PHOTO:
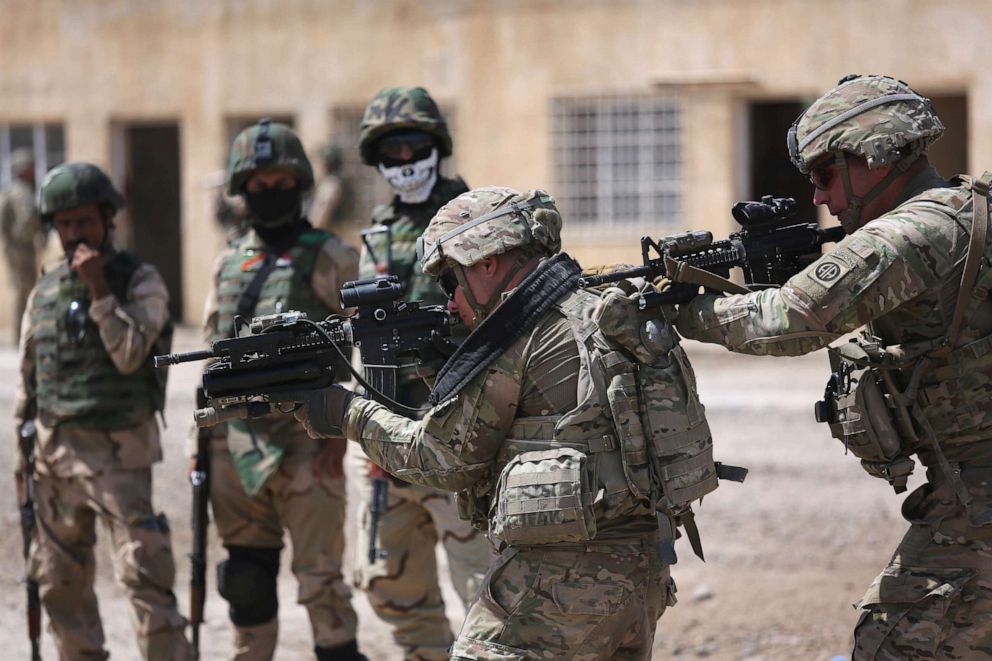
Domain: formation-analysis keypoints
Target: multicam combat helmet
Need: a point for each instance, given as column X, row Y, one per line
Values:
column 489, row 221
column 267, row 144
column 397, row 108
column 879, row 118
column 72, row 185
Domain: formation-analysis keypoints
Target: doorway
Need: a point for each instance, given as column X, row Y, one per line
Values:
column 772, row 173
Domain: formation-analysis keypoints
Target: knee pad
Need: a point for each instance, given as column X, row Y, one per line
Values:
column 247, row 580
column 149, row 564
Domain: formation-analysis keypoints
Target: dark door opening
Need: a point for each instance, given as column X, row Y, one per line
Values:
column 772, row 173
column 152, row 186
column 950, row 154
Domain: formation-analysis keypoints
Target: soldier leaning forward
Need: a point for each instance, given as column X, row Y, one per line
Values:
column 268, row 475
column 915, row 270
column 567, row 423
column 88, row 334
column 405, row 137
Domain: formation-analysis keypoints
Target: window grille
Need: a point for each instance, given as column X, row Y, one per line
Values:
column 617, row 160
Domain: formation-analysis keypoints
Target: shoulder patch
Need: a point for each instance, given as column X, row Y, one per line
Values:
column 829, row 271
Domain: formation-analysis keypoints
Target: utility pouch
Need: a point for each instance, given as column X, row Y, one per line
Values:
column 544, row 497
column 861, row 413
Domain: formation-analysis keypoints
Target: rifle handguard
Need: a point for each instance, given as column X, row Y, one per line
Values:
column 210, row 416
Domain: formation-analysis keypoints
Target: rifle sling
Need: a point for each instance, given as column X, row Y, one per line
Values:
column 516, row 315
column 683, row 272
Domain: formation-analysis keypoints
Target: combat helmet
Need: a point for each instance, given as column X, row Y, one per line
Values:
column 878, row 118
column 78, row 184
column 489, row 221
column 396, row 108
column 267, row 144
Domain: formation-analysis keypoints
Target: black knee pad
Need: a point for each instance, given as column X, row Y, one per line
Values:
column 247, row 580
column 347, row 652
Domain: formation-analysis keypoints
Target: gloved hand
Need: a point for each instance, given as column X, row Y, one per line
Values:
column 322, row 412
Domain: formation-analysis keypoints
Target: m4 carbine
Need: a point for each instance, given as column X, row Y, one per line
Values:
column 287, row 352
column 769, row 248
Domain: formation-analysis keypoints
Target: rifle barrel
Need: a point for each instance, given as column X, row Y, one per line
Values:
column 188, row 357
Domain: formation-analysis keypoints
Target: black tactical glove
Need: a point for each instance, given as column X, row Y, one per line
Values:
column 323, row 411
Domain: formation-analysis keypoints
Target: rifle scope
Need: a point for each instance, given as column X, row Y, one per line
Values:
column 371, row 291
column 769, row 209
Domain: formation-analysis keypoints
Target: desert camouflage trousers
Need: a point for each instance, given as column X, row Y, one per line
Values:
column 589, row 602
column 63, row 563
column 403, row 587
column 934, row 599
column 312, row 509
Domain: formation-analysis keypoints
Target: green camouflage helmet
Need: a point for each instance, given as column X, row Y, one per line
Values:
column 397, row 108
column 878, row 118
column 489, row 221
column 267, row 144
column 72, row 185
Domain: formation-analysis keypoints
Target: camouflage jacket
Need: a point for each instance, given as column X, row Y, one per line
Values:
column 129, row 329
column 258, row 451
column 900, row 274
column 20, row 225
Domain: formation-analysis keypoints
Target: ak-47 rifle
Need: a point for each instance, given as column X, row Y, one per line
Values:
column 26, row 439
column 287, row 352
column 768, row 248
column 199, row 479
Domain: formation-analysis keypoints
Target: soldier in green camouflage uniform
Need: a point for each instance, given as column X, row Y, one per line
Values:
column 404, row 135
column 22, row 232
column 267, row 475
column 91, row 326
column 914, row 269
column 568, row 424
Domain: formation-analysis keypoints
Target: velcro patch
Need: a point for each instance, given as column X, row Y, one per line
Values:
column 829, row 272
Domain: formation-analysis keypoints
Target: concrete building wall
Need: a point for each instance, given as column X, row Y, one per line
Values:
column 96, row 65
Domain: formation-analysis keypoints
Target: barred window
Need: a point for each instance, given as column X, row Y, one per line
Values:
column 46, row 141
column 618, row 159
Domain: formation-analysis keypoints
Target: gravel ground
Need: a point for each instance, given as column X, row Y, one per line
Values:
column 786, row 554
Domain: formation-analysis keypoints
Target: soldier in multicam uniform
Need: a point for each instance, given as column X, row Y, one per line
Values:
column 915, row 271
column 404, row 136
column 568, row 424
column 331, row 196
column 23, row 234
column 267, row 475
column 91, row 325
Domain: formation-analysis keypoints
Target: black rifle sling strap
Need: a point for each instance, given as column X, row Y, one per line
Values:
column 249, row 297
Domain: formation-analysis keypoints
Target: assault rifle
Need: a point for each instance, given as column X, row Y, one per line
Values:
column 199, row 479
column 768, row 248
column 27, row 436
column 287, row 352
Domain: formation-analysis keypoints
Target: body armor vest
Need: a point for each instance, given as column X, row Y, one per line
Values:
column 287, row 287
column 638, row 441
column 927, row 392
column 77, row 380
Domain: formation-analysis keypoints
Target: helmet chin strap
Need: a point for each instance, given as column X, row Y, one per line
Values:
column 851, row 219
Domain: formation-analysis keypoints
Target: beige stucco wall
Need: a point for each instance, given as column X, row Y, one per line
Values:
column 94, row 63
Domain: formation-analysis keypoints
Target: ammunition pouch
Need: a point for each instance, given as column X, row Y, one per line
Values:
column 544, row 497
column 863, row 413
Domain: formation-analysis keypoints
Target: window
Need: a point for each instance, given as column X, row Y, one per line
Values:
column 46, row 141
column 618, row 159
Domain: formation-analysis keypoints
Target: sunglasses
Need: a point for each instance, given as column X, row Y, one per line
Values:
column 404, row 147
column 448, row 283
column 822, row 175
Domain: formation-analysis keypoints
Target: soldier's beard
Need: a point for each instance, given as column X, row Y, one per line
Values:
column 413, row 182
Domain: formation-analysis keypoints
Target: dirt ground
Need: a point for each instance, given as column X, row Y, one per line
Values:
column 787, row 553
